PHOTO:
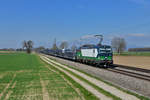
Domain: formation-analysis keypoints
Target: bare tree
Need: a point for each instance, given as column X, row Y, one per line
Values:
column 73, row 47
column 64, row 45
column 118, row 44
column 54, row 45
column 28, row 45
column 24, row 44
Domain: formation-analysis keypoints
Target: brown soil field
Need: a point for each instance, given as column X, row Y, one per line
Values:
column 135, row 61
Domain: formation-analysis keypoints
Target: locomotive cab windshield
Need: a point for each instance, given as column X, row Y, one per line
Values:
column 105, row 53
column 105, row 49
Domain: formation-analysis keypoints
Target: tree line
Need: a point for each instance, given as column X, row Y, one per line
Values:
column 118, row 45
column 139, row 49
column 28, row 46
column 63, row 45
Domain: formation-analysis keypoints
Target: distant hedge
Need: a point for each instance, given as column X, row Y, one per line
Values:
column 139, row 49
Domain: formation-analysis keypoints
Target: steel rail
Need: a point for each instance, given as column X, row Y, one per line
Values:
column 132, row 68
column 131, row 74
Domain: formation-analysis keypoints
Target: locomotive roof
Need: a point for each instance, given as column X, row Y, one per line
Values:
column 94, row 46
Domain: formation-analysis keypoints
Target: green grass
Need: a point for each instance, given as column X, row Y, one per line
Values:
column 18, row 61
column 87, row 95
column 25, row 67
column 105, row 92
column 29, row 71
column 133, row 54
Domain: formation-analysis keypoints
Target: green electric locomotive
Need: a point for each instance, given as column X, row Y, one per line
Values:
column 100, row 55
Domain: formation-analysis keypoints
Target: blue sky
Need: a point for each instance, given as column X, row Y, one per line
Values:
column 44, row 20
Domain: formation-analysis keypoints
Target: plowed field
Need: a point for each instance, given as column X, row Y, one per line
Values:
column 135, row 61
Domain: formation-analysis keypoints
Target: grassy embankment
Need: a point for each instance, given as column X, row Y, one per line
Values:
column 24, row 76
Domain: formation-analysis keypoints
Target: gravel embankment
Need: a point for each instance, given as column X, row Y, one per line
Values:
column 130, row 83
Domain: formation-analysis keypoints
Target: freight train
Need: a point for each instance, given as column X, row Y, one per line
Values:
column 99, row 55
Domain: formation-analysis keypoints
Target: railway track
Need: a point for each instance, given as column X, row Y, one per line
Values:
column 138, row 73
column 132, row 71
column 131, row 74
column 132, row 68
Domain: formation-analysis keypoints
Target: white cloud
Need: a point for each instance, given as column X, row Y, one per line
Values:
column 147, row 45
column 111, row 36
column 87, row 37
column 137, row 34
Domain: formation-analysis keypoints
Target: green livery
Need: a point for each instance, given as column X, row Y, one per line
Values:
column 91, row 54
